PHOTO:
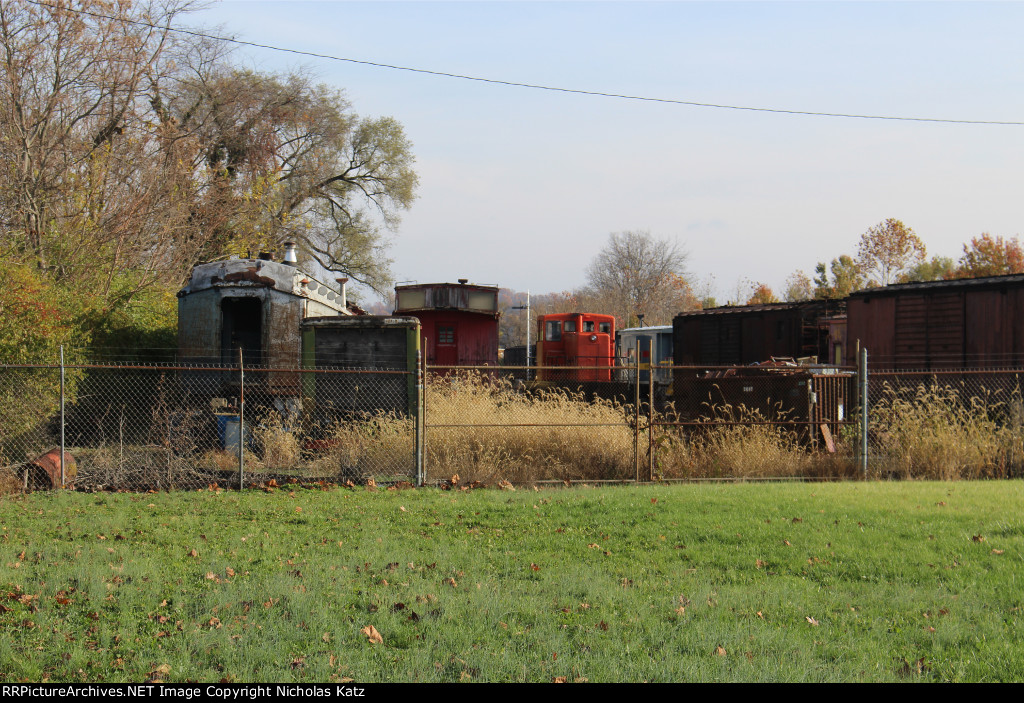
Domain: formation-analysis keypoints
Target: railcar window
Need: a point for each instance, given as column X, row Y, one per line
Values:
column 553, row 330
column 588, row 325
column 446, row 335
column 605, row 328
column 570, row 325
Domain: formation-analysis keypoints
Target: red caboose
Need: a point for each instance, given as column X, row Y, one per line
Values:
column 575, row 339
column 459, row 322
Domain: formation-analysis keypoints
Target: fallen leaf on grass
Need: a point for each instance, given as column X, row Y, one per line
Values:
column 505, row 485
column 372, row 635
column 978, row 538
column 910, row 668
column 760, row 563
column 812, row 621
column 720, row 651
column 997, row 551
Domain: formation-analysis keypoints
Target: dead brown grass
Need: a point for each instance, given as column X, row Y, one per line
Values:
column 940, row 432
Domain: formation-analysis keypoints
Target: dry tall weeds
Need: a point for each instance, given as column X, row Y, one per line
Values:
column 940, row 432
column 486, row 429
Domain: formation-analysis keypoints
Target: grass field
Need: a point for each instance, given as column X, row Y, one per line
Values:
column 865, row 581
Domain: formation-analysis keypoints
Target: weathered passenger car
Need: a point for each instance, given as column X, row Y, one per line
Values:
column 253, row 306
column 458, row 321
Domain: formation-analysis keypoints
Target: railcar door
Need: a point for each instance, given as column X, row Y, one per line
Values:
column 447, row 353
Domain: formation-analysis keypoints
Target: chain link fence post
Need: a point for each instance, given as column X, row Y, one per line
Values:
column 864, row 411
column 636, row 416
column 650, row 409
column 241, row 420
column 63, row 476
column 420, row 405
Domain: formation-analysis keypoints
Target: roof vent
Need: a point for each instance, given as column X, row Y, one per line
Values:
column 463, row 281
column 290, row 257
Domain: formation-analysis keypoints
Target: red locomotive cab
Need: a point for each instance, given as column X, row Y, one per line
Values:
column 575, row 339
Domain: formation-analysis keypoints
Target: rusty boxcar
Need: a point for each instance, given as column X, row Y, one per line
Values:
column 747, row 334
column 963, row 323
column 812, row 400
column 459, row 321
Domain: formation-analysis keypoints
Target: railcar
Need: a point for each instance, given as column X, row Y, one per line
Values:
column 459, row 321
column 635, row 345
column 585, row 340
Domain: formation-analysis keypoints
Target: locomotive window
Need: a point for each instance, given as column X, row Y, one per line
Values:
column 588, row 326
column 605, row 328
column 570, row 325
column 553, row 330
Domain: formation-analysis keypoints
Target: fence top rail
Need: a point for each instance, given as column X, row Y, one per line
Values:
column 203, row 367
column 948, row 372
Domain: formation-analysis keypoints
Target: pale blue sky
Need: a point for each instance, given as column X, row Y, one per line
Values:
column 521, row 187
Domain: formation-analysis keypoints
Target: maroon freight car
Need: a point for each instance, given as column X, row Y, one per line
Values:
column 459, row 321
column 964, row 323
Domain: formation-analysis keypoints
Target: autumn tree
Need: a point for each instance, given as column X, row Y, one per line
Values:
column 636, row 273
column 799, row 287
column 762, row 295
column 887, row 250
column 87, row 195
column 986, row 255
column 133, row 151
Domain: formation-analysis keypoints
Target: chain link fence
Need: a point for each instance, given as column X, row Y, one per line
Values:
column 154, row 427
column 158, row 427
column 946, row 424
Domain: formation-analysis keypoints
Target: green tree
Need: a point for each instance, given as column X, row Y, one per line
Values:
column 845, row 278
column 935, row 269
column 290, row 161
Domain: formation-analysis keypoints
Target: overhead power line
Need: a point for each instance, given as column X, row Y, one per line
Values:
column 532, row 86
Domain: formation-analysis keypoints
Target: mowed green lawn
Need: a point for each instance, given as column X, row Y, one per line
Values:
column 909, row 581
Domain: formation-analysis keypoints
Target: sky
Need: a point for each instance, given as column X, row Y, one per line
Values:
column 522, row 187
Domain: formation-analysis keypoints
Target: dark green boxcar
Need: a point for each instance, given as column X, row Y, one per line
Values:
column 367, row 365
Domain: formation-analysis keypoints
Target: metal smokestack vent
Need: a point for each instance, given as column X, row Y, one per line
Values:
column 343, row 298
column 290, row 256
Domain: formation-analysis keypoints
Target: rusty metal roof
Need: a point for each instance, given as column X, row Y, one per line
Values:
column 1007, row 280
